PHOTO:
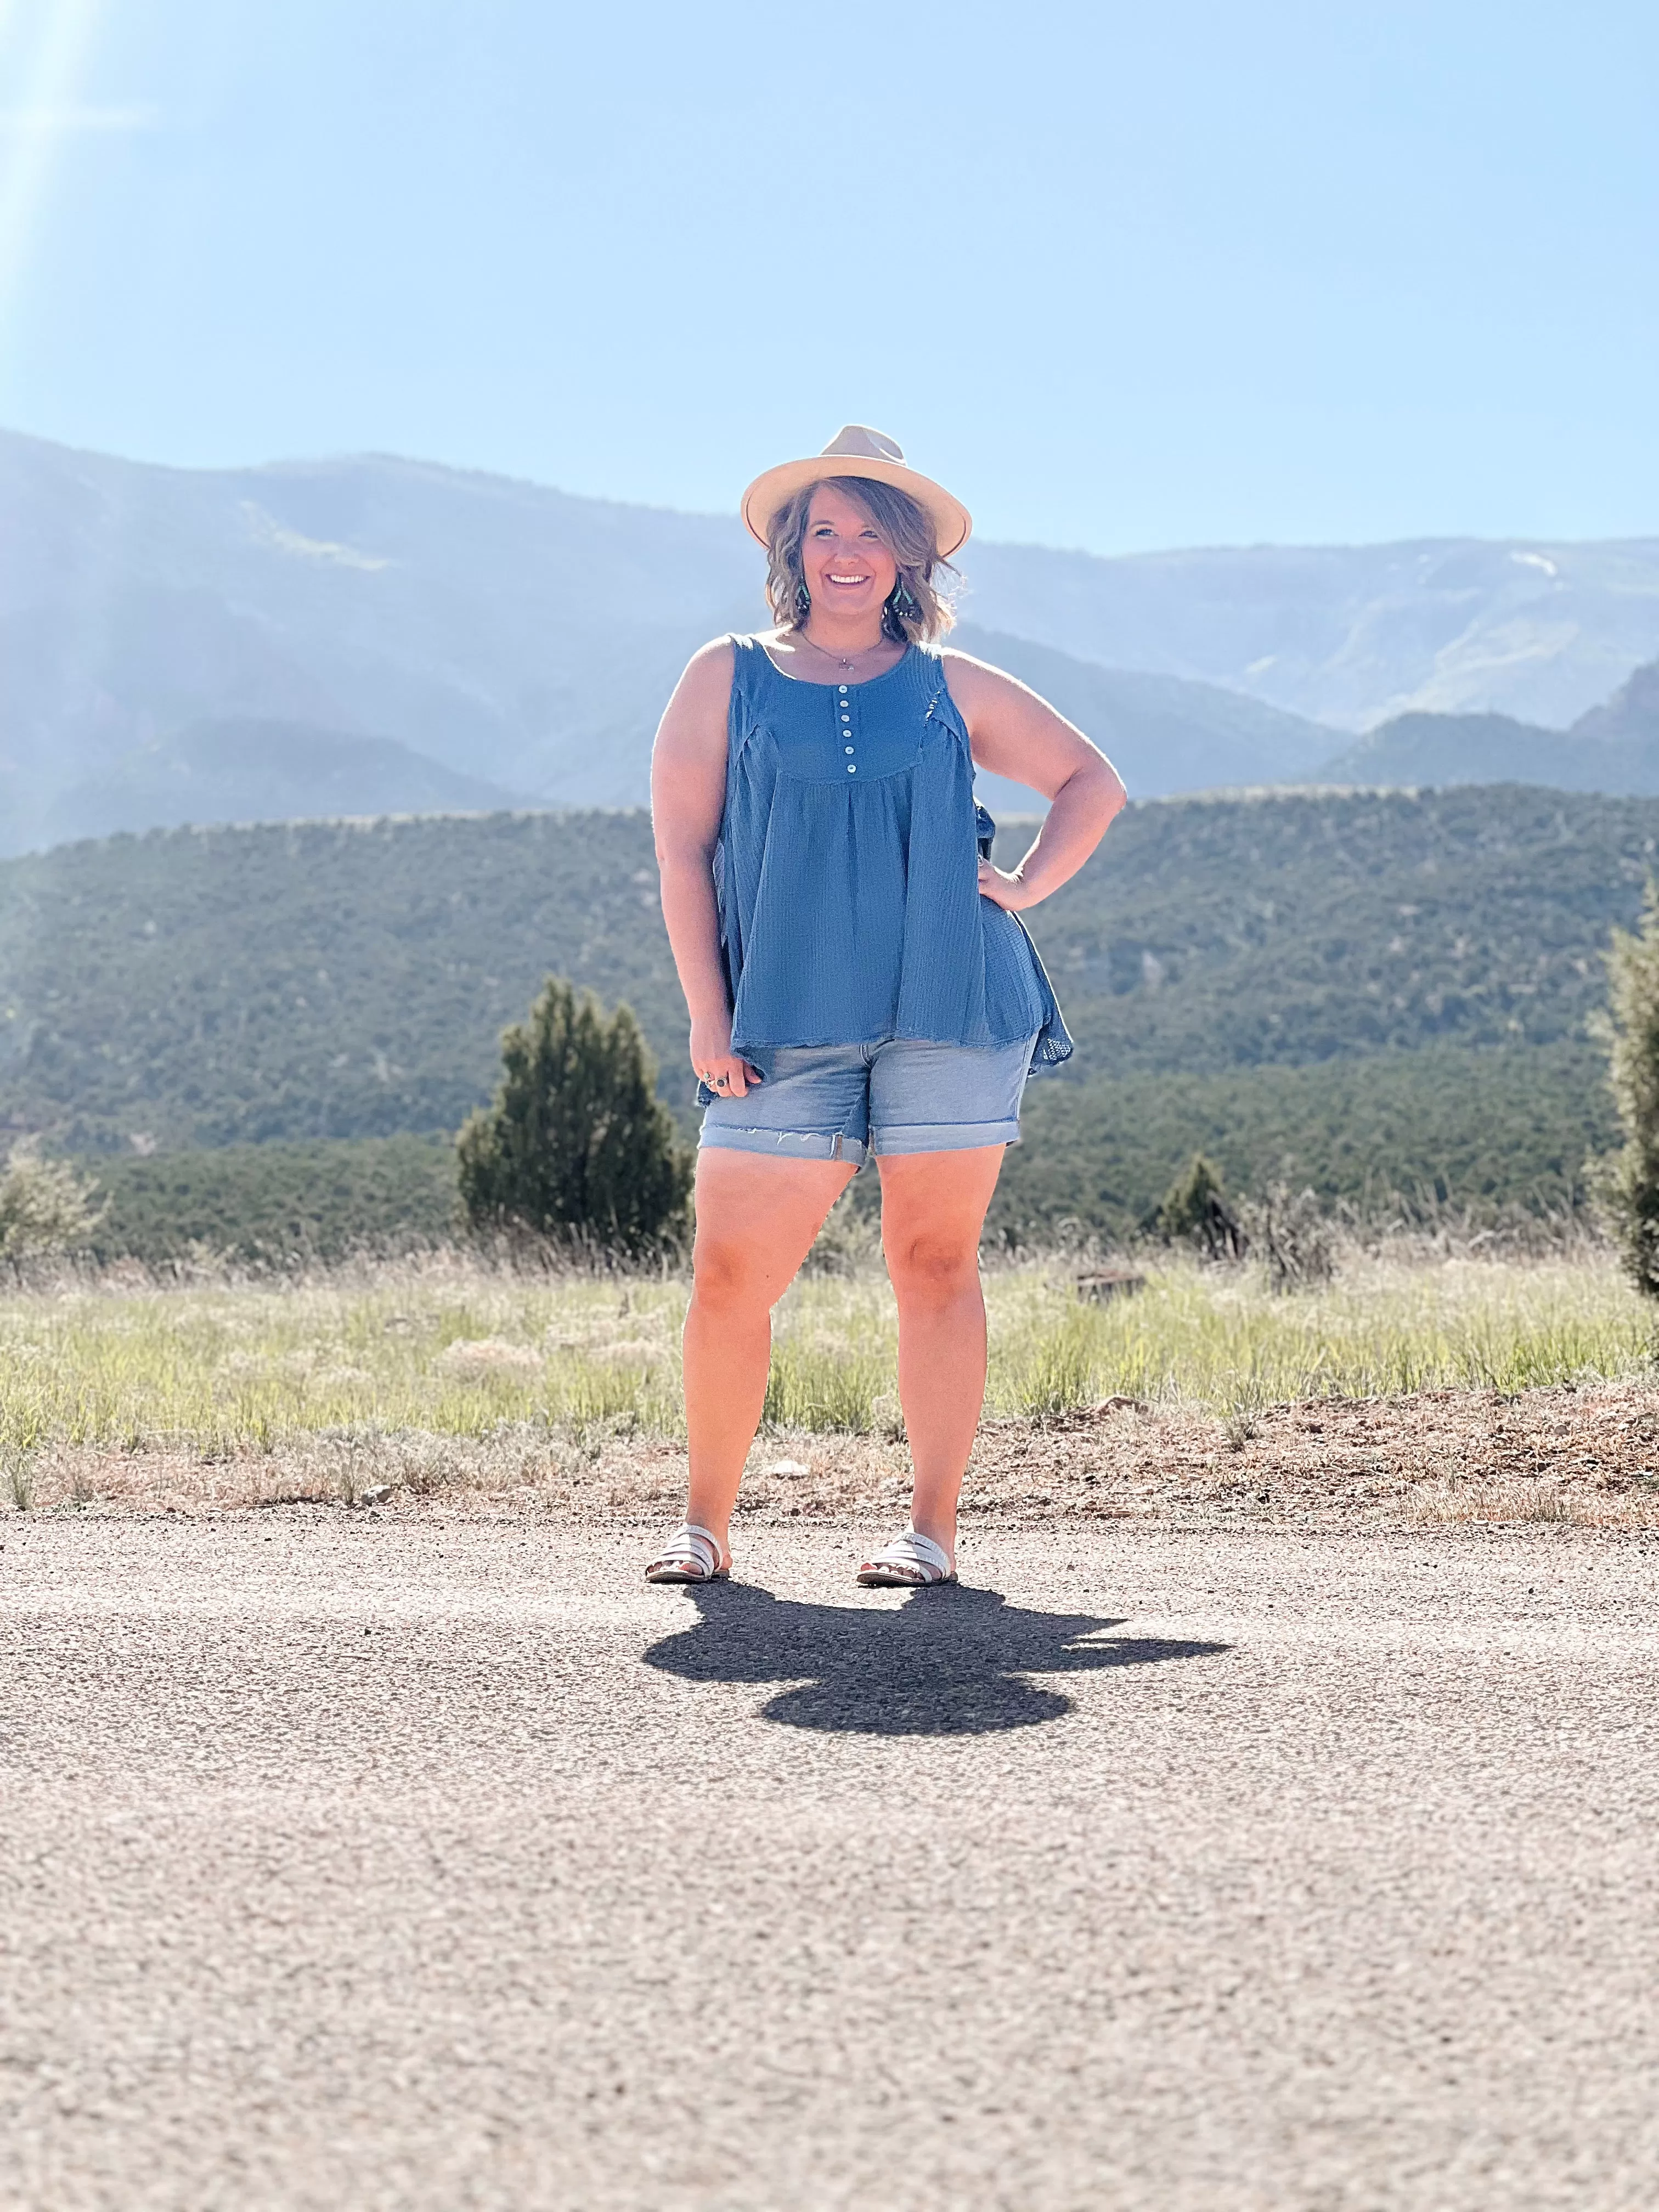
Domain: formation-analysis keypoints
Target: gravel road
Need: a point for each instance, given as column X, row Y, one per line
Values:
column 353, row 1861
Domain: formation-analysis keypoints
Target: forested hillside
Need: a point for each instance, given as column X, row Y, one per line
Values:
column 1482, row 1131
column 206, row 987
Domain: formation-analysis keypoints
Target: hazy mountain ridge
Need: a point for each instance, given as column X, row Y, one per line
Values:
column 1631, row 716
column 525, row 639
column 470, row 618
column 1613, row 749
column 1164, row 734
column 1350, row 635
column 260, row 771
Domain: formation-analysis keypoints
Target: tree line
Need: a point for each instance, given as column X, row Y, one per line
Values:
column 577, row 1149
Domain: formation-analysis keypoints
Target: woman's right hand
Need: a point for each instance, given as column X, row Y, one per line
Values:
column 714, row 1062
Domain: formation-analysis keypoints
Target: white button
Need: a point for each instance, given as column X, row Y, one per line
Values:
column 843, row 687
column 848, row 749
column 851, row 770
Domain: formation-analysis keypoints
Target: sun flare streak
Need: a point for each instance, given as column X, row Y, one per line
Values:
column 43, row 57
column 82, row 117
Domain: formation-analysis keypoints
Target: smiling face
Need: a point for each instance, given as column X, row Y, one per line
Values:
column 847, row 565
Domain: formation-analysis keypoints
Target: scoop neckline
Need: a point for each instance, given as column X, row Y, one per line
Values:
column 807, row 684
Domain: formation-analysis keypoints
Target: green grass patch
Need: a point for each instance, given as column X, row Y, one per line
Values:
column 455, row 1350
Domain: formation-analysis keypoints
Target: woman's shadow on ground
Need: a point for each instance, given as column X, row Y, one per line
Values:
column 947, row 1662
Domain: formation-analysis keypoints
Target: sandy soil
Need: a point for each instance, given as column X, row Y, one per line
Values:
column 1588, row 1456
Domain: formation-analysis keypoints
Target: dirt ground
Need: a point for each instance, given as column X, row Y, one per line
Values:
column 1588, row 1456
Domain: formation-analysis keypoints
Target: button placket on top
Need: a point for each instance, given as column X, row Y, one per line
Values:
column 844, row 706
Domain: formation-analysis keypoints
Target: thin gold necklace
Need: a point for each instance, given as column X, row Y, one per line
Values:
column 838, row 660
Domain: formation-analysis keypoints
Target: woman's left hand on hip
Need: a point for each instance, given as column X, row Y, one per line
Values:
column 1006, row 891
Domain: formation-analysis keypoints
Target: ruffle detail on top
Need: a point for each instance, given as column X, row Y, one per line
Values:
column 847, row 872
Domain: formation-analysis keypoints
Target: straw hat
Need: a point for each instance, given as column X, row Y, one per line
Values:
column 858, row 451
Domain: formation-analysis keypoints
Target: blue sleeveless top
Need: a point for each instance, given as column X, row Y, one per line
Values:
column 847, row 872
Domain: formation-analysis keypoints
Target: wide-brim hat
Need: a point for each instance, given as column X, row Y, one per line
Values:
column 857, row 450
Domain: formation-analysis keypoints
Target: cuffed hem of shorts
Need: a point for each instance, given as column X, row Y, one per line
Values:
column 942, row 1136
column 785, row 1144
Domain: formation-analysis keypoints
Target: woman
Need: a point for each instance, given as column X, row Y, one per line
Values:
column 856, row 978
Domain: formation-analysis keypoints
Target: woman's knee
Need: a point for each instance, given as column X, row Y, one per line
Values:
column 728, row 1272
column 928, row 1268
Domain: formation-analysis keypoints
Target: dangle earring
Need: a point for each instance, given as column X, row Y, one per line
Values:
column 803, row 604
column 899, row 608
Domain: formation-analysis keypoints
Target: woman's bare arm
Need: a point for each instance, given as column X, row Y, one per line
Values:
column 1017, row 734
column 688, row 797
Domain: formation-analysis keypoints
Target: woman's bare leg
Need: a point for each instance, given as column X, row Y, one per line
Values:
column 933, row 1209
column 757, row 1217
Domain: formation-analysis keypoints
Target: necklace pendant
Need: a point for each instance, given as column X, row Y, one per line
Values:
column 836, row 659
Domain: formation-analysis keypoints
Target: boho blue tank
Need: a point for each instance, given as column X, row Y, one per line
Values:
column 847, row 872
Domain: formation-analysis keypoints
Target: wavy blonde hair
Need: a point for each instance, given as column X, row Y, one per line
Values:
column 917, row 610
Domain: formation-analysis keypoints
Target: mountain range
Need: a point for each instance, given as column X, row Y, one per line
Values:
column 378, row 636
column 249, row 770
column 1613, row 748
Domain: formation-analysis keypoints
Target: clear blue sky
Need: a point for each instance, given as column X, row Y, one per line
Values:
column 1126, row 275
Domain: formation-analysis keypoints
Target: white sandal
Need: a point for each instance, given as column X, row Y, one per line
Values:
column 911, row 1561
column 692, row 1554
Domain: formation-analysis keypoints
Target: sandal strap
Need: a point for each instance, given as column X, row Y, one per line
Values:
column 913, row 1549
column 691, row 1545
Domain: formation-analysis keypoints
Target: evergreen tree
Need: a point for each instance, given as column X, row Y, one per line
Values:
column 576, row 1145
column 1629, row 1183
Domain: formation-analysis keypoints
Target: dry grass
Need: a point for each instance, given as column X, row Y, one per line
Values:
column 1443, row 1389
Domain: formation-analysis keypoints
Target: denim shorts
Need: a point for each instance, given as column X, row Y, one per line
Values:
column 843, row 1102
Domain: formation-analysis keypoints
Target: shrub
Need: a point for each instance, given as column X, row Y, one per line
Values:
column 45, row 1207
column 576, row 1146
column 1629, row 1183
